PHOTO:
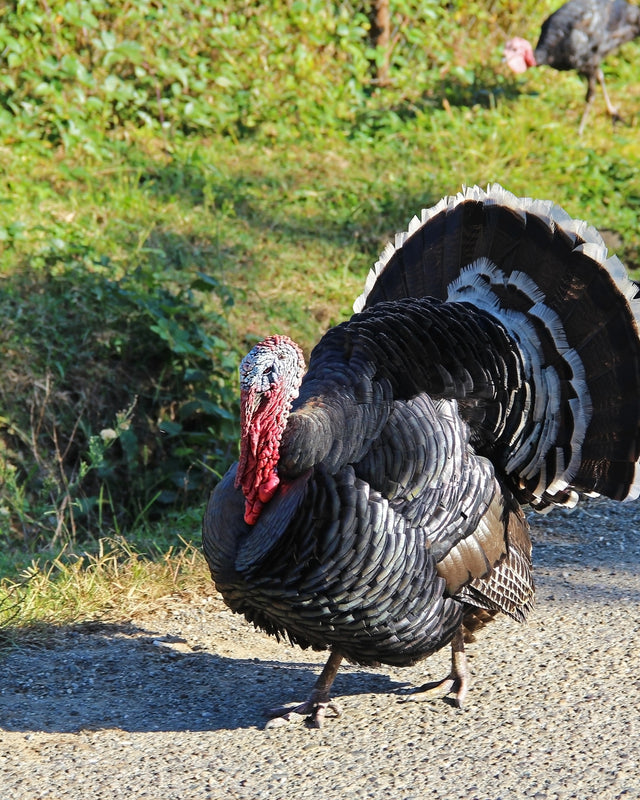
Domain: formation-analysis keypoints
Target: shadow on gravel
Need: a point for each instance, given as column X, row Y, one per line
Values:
column 105, row 676
column 96, row 676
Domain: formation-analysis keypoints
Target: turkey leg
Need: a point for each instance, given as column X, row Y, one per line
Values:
column 591, row 91
column 613, row 111
column 456, row 681
column 318, row 702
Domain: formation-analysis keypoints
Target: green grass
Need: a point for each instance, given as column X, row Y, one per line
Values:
column 179, row 181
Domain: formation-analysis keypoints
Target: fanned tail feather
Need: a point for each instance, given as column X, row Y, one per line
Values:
column 574, row 313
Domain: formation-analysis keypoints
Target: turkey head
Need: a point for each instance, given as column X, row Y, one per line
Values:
column 270, row 376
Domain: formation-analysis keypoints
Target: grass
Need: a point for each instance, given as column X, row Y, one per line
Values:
column 150, row 233
column 112, row 580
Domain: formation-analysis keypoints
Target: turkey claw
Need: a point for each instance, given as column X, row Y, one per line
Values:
column 436, row 689
column 456, row 681
column 315, row 710
column 617, row 119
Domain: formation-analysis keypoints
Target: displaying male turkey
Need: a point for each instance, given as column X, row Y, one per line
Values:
column 493, row 361
column 578, row 36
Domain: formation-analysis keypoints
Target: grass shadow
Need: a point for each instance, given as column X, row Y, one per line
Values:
column 487, row 89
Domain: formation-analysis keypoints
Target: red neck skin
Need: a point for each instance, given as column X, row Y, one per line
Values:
column 262, row 430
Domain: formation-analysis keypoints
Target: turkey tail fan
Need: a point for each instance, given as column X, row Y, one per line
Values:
column 573, row 312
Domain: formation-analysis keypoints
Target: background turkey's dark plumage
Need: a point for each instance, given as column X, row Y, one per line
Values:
column 493, row 360
column 578, row 36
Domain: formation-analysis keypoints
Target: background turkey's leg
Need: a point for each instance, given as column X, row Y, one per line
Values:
column 456, row 681
column 591, row 93
column 613, row 111
column 319, row 701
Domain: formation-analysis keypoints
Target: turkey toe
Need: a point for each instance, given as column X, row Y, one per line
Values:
column 437, row 689
column 314, row 709
column 318, row 703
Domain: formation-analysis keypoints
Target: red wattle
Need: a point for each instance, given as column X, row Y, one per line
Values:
column 263, row 418
column 251, row 514
column 267, row 489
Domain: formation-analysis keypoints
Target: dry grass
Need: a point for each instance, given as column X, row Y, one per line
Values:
column 112, row 585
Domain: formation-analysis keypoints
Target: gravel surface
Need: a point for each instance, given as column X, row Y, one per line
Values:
column 170, row 705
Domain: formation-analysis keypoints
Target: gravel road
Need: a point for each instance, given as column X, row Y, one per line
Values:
column 169, row 706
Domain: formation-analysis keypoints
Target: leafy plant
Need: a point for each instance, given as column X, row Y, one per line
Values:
column 152, row 368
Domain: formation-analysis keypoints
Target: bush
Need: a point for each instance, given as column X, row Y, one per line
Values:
column 76, row 453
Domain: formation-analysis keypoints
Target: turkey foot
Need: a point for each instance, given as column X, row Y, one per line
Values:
column 318, row 703
column 315, row 709
column 613, row 111
column 617, row 119
column 456, row 681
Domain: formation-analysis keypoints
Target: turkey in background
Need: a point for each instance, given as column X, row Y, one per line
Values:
column 578, row 36
column 493, row 361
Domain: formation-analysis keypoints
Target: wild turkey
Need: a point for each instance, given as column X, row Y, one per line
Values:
column 493, row 361
column 578, row 36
